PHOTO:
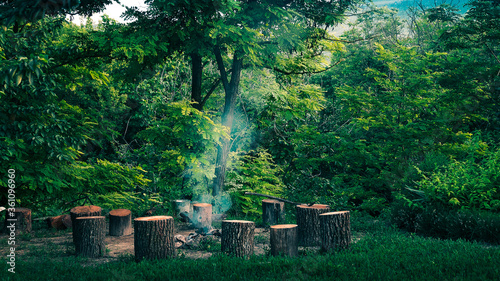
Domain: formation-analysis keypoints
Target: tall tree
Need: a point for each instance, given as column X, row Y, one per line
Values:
column 43, row 129
column 287, row 36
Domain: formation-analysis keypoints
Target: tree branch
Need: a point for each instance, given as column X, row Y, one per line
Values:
column 222, row 69
column 272, row 197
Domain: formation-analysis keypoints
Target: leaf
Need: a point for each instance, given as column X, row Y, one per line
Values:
column 19, row 78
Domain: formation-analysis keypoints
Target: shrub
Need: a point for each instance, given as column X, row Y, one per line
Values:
column 437, row 221
column 470, row 184
column 252, row 172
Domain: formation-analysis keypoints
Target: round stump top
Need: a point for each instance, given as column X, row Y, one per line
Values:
column 85, row 209
column 282, row 226
column 154, row 218
column 90, row 218
column 202, row 205
column 237, row 221
column 120, row 212
column 334, row 213
column 314, row 206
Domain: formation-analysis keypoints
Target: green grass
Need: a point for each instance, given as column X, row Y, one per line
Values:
column 384, row 253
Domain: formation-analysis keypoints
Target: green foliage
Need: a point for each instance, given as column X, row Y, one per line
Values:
column 252, row 172
column 469, row 184
column 183, row 140
column 445, row 223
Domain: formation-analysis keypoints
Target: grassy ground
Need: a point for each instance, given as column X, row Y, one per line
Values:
column 380, row 253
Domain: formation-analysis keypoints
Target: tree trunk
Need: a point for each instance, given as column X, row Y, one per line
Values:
column 60, row 222
column 284, row 240
column 120, row 222
column 231, row 93
column 237, row 237
column 308, row 223
column 196, row 80
column 18, row 221
column 272, row 211
column 83, row 211
column 89, row 234
column 154, row 238
column 335, row 230
column 202, row 217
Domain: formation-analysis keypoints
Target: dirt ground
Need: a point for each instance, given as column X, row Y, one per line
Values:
column 59, row 244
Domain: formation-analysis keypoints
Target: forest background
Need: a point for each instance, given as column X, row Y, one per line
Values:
column 397, row 116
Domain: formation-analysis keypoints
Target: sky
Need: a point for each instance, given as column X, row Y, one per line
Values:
column 113, row 11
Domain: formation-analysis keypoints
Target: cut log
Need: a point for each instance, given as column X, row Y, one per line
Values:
column 308, row 223
column 284, row 240
column 120, row 222
column 19, row 220
column 237, row 237
column 335, row 230
column 154, row 238
column 83, row 211
column 202, row 217
column 273, row 212
column 89, row 234
column 60, row 222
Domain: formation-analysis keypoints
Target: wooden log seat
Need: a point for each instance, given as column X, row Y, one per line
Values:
column 238, row 237
column 89, row 234
column 284, row 240
column 308, row 223
column 120, row 222
column 154, row 238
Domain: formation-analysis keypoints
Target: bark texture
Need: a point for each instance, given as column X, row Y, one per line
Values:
column 308, row 223
column 89, row 234
column 196, row 80
column 335, row 230
column 154, row 238
column 273, row 212
column 237, row 237
column 231, row 93
column 21, row 217
column 284, row 240
column 83, row 211
column 120, row 222
column 202, row 216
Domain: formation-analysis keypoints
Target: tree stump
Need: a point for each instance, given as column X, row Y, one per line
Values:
column 335, row 230
column 237, row 237
column 89, row 234
column 83, row 211
column 120, row 222
column 284, row 240
column 19, row 219
column 308, row 223
column 272, row 212
column 154, row 238
column 60, row 222
column 202, row 217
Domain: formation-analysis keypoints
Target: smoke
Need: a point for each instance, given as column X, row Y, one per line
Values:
column 220, row 204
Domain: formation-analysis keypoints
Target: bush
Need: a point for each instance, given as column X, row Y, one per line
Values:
column 470, row 184
column 252, row 172
column 437, row 221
